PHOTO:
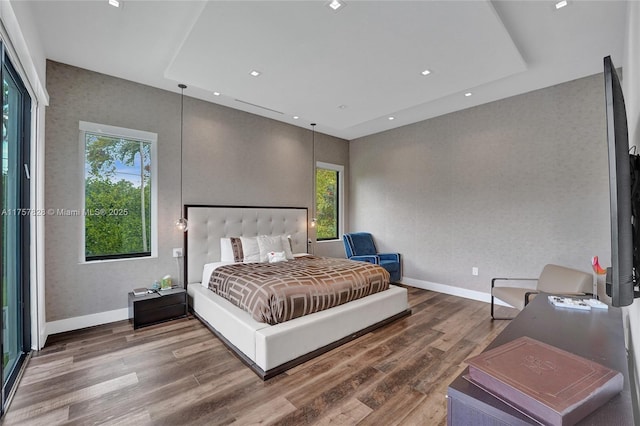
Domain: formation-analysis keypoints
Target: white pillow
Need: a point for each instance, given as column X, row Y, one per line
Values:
column 208, row 270
column 267, row 243
column 286, row 245
column 226, row 252
column 250, row 249
column 231, row 249
column 276, row 256
column 206, row 273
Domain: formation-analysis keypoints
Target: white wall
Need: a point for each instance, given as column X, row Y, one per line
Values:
column 76, row 297
column 507, row 187
column 231, row 158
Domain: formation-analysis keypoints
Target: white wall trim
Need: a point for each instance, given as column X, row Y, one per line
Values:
column 452, row 290
column 25, row 57
column 38, row 301
column 85, row 321
column 76, row 323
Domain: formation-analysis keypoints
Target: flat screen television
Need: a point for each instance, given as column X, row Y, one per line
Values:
column 622, row 276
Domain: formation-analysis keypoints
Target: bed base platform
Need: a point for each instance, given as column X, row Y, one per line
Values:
column 272, row 349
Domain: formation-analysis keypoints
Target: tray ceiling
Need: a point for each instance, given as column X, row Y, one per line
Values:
column 348, row 71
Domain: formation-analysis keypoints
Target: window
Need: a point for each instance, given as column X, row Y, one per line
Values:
column 120, row 190
column 329, row 201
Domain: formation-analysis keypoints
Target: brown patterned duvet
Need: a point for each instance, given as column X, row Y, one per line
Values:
column 277, row 292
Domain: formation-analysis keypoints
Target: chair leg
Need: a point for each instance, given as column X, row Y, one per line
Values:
column 494, row 317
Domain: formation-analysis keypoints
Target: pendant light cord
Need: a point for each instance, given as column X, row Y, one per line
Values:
column 313, row 186
column 182, row 87
column 313, row 169
column 182, row 219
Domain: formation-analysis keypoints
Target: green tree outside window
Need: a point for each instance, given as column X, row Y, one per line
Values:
column 327, row 204
column 117, row 197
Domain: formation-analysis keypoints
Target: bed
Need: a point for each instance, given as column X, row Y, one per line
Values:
column 271, row 349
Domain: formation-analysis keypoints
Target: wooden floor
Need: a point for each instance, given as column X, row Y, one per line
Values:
column 178, row 373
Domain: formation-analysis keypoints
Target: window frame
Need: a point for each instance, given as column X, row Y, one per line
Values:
column 21, row 189
column 124, row 133
column 340, row 169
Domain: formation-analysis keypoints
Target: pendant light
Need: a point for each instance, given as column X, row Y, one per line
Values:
column 313, row 187
column 181, row 223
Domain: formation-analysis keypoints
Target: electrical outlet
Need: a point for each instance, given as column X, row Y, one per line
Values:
column 177, row 252
column 474, row 271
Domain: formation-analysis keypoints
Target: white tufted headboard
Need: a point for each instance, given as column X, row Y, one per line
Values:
column 207, row 224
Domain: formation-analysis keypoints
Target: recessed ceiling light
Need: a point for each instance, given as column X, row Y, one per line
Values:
column 114, row 3
column 295, row 117
column 216, row 93
column 391, row 118
column 561, row 4
column 336, row 4
column 255, row 73
column 468, row 94
column 426, row 72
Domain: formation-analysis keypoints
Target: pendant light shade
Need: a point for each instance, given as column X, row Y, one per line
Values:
column 181, row 223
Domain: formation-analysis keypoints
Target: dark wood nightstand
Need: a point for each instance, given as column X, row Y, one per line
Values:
column 157, row 307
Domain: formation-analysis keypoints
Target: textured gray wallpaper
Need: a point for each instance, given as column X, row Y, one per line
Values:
column 506, row 187
column 231, row 157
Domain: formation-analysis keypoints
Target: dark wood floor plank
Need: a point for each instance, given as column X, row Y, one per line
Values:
column 350, row 412
column 211, row 395
column 399, row 377
column 44, row 407
column 179, row 373
column 47, row 389
column 394, row 410
column 128, row 401
column 42, row 371
column 316, row 401
column 176, row 337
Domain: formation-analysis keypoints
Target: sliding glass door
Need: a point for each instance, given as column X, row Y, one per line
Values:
column 14, row 226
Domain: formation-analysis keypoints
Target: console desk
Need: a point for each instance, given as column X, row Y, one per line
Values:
column 597, row 335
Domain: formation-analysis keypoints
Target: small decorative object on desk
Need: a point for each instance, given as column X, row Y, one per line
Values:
column 140, row 291
column 166, row 282
column 597, row 269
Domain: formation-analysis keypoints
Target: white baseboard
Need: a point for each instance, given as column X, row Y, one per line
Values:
column 76, row 323
column 452, row 290
column 42, row 339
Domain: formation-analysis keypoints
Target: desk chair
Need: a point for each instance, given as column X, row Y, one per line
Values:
column 554, row 279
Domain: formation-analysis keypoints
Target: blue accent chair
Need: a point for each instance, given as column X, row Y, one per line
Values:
column 360, row 246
